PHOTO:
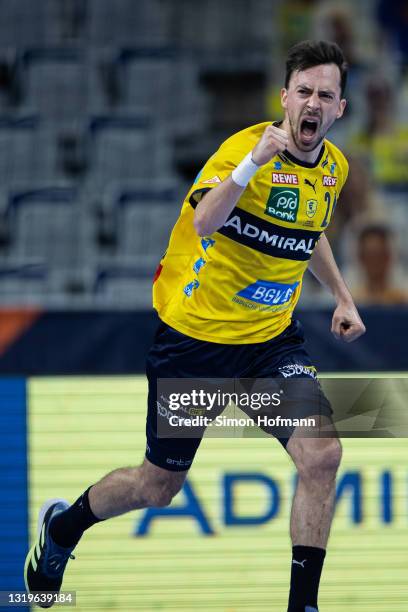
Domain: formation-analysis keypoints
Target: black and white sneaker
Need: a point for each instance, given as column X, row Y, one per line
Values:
column 45, row 563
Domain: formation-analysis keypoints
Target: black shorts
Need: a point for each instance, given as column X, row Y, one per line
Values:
column 174, row 355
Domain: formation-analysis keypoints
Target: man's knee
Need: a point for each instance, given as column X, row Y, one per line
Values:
column 160, row 486
column 318, row 459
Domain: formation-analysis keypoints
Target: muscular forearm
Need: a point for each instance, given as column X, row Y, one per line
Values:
column 325, row 269
column 216, row 206
column 346, row 322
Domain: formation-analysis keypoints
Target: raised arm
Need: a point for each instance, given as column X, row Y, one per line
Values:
column 217, row 204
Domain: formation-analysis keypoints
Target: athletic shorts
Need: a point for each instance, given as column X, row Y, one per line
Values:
column 175, row 355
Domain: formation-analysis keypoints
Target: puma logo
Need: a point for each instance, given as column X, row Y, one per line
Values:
column 312, row 185
column 301, row 563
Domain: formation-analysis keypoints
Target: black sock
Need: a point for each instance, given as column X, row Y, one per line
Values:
column 67, row 527
column 307, row 565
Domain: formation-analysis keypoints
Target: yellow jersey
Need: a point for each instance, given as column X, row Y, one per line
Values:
column 241, row 284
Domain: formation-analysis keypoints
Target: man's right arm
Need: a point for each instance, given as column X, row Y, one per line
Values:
column 217, row 204
column 215, row 207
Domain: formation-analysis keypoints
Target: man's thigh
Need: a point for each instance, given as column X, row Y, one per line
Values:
column 176, row 356
column 285, row 367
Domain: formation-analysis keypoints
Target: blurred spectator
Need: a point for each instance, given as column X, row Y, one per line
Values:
column 336, row 23
column 383, row 139
column 295, row 21
column 358, row 203
column 393, row 21
column 377, row 281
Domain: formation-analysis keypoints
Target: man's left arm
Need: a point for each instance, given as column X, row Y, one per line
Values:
column 346, row 322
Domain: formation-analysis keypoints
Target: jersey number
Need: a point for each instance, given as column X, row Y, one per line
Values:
column 327, row 216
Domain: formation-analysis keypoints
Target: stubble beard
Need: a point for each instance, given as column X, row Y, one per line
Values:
column 299, row 145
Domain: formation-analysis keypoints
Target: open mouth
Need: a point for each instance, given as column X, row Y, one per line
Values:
column 308, row 128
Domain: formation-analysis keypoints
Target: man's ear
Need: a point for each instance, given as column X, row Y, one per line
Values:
column 343, row 104
column 284, row 97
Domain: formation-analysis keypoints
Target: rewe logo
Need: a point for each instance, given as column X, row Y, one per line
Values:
column 329, row 181
column 284, row 178
column 283, row 204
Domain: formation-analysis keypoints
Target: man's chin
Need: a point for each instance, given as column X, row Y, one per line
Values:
column 309, row 145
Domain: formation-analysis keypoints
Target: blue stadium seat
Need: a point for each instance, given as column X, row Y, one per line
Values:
column 160, row 79
column 232, row 26
column 122, row 285
column 147, row 75
column 126, row 21
column 46, row 225
column 146, row 215
column 24, row 22
column 125, row 147
column 54, row 81
column 26, row 149
column 23, row 281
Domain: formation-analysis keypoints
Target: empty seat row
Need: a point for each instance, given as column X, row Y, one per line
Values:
column 56, row 226
column 127, row 21
column 102, row 22
column 39, row 284
column 66, row 82
column 237, row 26
column 107, row 147
column 25, row 22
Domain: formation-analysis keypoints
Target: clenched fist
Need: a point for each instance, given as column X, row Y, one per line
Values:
column 346, row 323
column 273, row 141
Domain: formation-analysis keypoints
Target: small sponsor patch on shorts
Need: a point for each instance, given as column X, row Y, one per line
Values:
column 179, row 462
column 297, row 369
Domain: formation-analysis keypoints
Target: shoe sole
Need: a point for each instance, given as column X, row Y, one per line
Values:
column 43, row 511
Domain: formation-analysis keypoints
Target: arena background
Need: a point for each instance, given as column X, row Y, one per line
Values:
column 107, row 112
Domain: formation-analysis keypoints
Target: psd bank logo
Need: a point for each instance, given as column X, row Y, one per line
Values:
column 283, row 203
column 351, row 486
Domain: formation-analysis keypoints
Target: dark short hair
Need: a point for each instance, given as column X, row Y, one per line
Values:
column 309, row 53
column 376, row 229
